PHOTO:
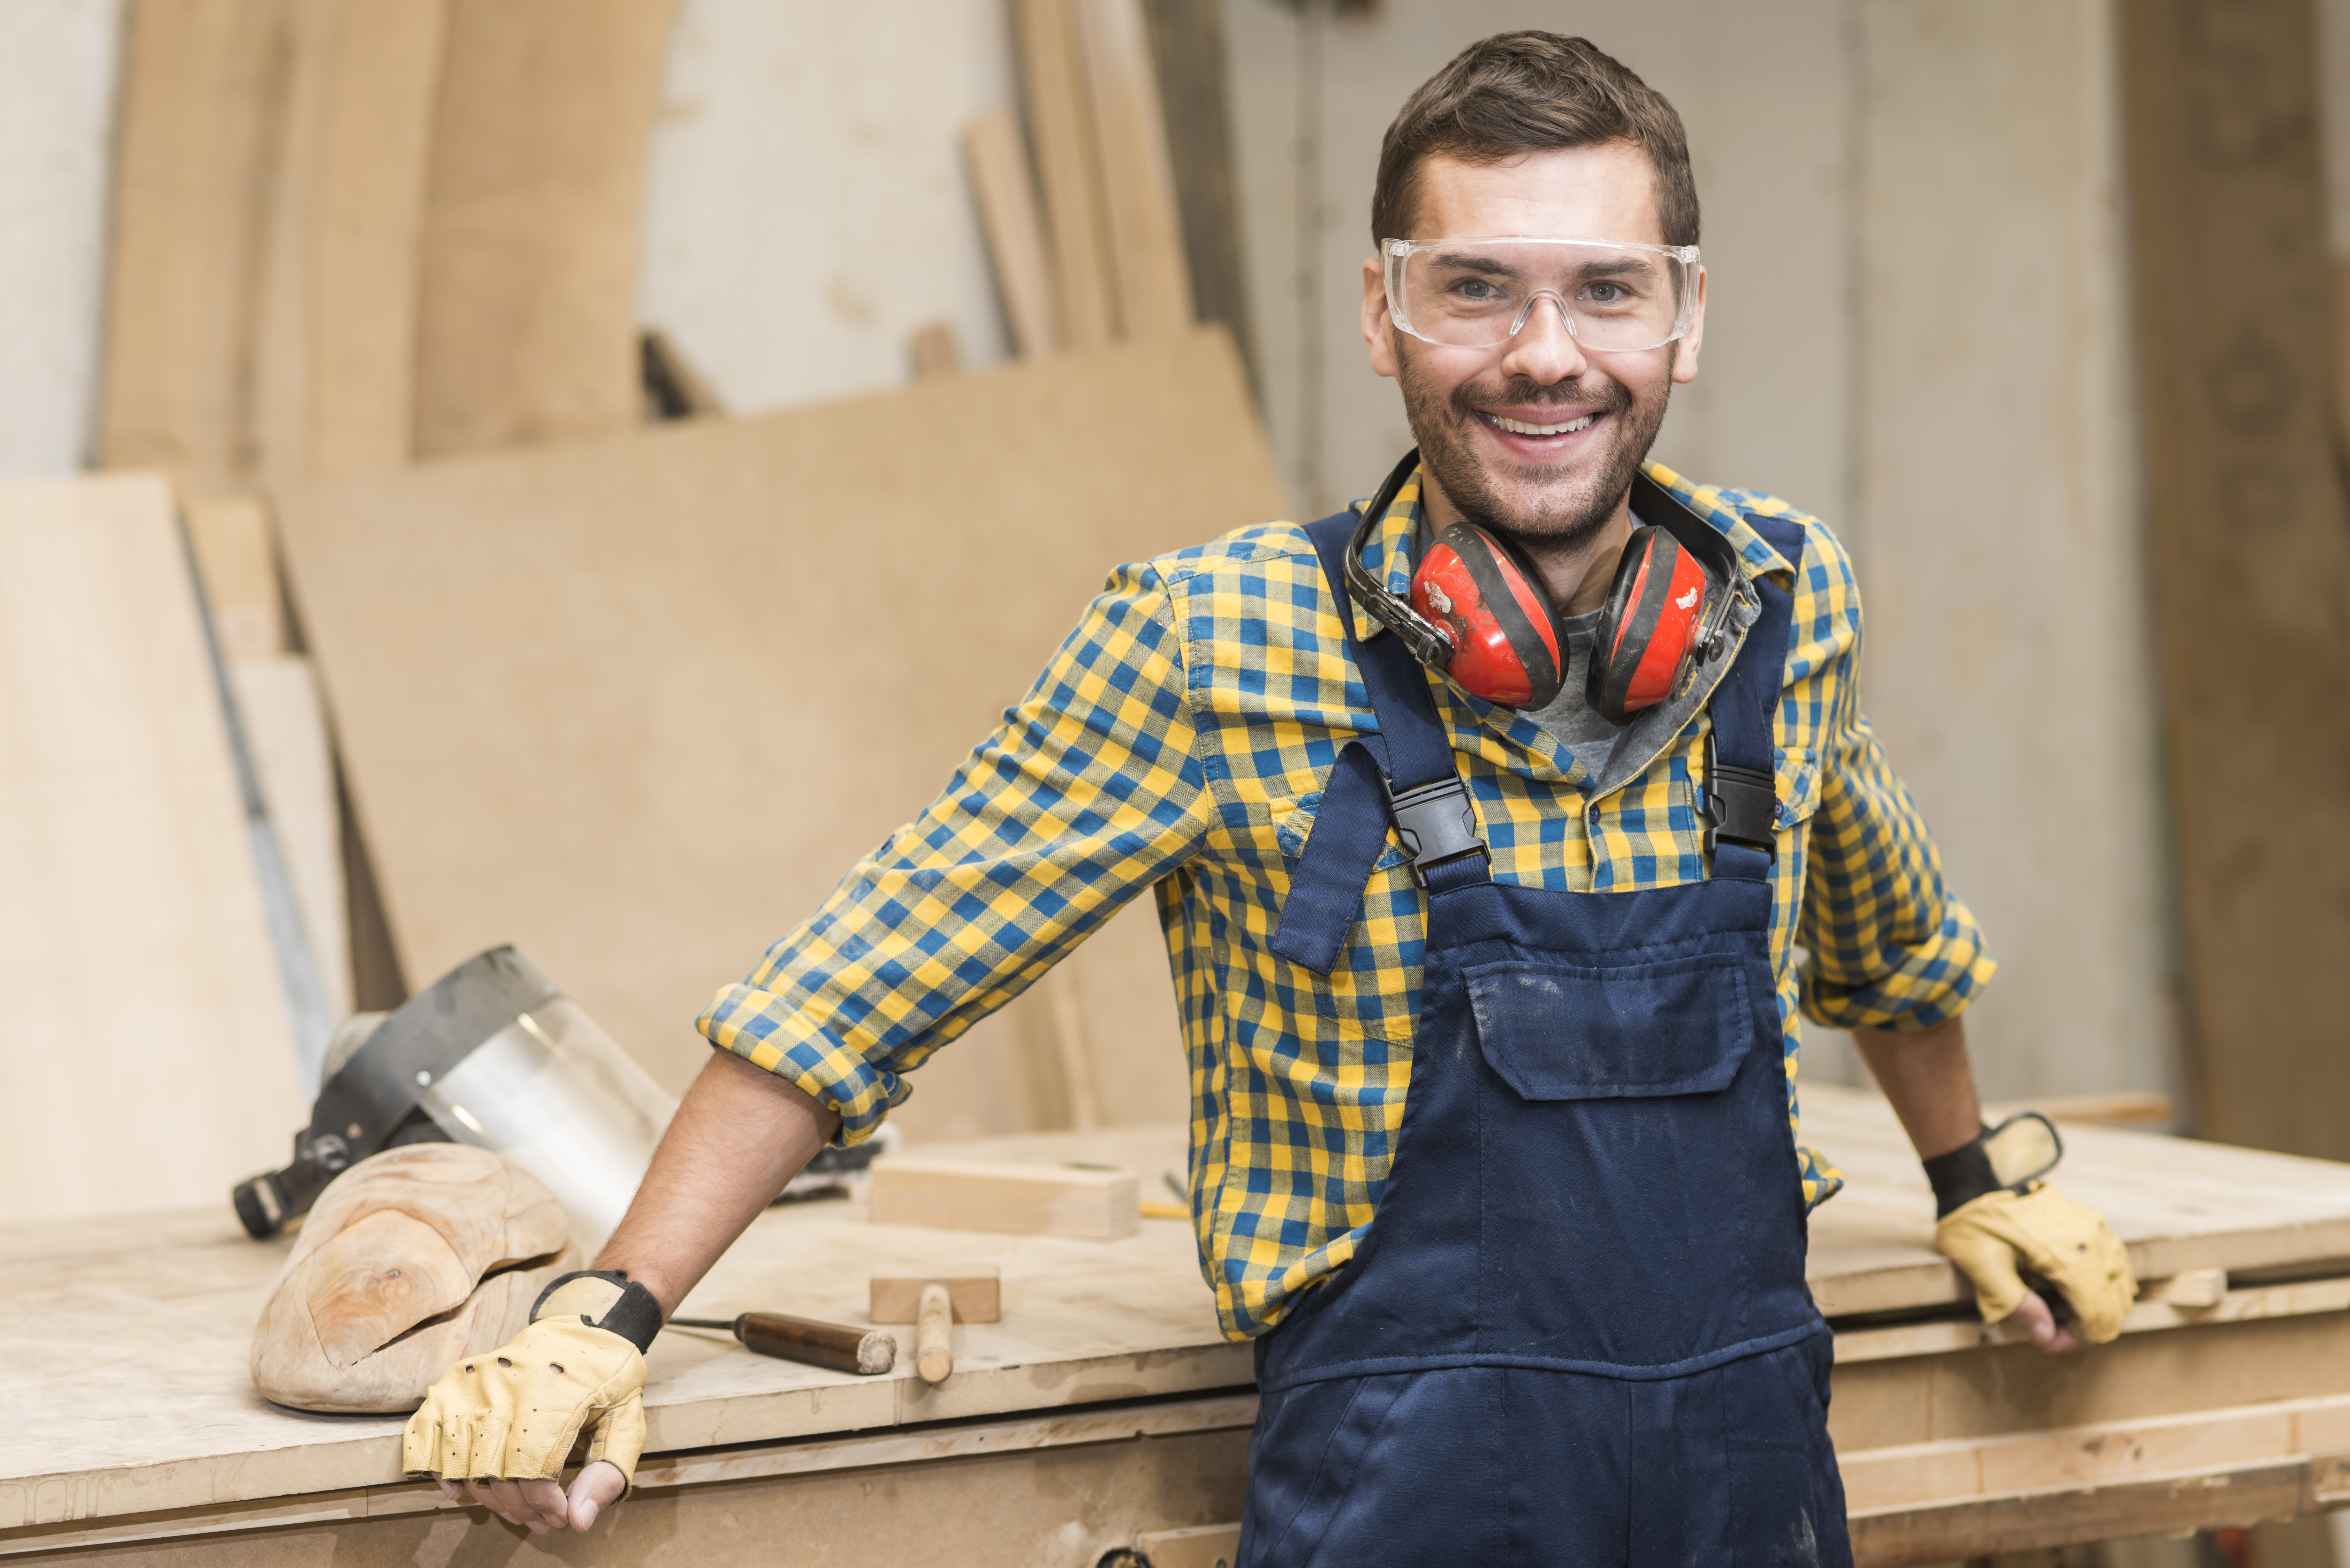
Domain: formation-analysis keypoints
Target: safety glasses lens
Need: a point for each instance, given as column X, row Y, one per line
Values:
column 1479, row 293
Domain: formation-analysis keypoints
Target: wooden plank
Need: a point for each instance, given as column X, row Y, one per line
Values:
column 2151, row 1313
column 526, row 326
column 1031, row 1199
column 144, row 1031
column 1060, row 128
column 1012, row 215
column 975, row 1291
column 204, row 91
column 1196, row 1546
column 520, row 741
column 1137, row 186
column 336, row 333
column 2248, row 549
column 1187, row 41
column 236, row 562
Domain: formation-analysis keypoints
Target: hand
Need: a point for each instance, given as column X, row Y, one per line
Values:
column 540, row 1506
column 1997, row 1235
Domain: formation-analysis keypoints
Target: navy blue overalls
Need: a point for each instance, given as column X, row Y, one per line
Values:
column 1576, row 1331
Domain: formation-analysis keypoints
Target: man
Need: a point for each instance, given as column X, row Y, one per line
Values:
column 1547, row 1306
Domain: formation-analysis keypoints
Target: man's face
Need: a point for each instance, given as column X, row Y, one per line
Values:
column 1559, row 490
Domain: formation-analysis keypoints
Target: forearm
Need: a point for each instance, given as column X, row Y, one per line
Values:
column 1927, row 1078
column 741, row 1134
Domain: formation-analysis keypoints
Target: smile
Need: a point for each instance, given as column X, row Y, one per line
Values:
column 1519, row 427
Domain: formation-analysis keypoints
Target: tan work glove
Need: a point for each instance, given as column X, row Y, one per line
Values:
column 514, row 1415
column 2068, row 1244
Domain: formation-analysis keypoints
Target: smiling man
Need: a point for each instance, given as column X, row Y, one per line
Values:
column 1485, row 822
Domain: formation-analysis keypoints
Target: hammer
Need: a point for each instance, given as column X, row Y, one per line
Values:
column 933, row 1300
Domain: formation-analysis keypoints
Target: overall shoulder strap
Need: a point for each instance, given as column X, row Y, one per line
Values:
column 1406, row 777
column 1742, row 798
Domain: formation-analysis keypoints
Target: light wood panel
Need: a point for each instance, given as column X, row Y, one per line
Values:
column 1186, row 42
column 203, row 94
column 143, row 1033
column 2250, row 553
column 236, row 561
column 1012, row 213
column 1061, row 130
column 286, row 729
column 527, row 328
column 637, row 707
column 1138, row 185
column 336, row 330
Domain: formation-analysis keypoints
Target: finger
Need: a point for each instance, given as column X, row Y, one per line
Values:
column 477, row 1490
column 512, row 1509
column 594, row 1490
column 450, row 1489
column 545, row 1501
column 2033, row 1316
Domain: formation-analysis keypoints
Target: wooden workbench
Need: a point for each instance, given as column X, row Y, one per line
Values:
column 1106, row 1404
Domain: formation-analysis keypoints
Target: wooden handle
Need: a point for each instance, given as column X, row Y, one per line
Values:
column 933, row 1332
column 865, row 1351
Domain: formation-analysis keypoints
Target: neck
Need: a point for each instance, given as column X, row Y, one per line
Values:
column 1574, row 574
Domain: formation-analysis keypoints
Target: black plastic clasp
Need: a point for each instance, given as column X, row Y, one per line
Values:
column 1741, row 805
column 1436, row 825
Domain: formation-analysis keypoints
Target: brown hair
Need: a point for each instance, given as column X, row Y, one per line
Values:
column 1530, row 92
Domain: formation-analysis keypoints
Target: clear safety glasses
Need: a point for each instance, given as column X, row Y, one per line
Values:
column 1615, row 297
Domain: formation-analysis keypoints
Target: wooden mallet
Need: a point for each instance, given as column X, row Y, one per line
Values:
column 933, row 1300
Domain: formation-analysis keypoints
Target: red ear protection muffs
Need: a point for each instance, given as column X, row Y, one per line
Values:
column 1478, row 613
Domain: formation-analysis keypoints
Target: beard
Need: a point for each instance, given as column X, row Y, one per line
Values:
column 1552, row 512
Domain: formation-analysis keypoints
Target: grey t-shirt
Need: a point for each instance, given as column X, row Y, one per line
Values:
column 1573, row 722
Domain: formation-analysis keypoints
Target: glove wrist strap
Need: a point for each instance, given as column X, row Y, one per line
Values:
column 627, row 1309
column 1961, row 1175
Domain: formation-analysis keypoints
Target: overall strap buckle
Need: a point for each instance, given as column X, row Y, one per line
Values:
column 1436, row 825
column 1741, row 805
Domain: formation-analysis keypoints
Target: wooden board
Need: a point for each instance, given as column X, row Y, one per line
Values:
column 144, row 1031
column 287, row 728
column 1137, row 186
column 1060, row 128
column 1056, row 1200
column 526, row 327
column 204, row 93
column 1012, row 213
column 236, row 562
column 2249, row 552
column 623, row 705
column 1187, row 41
column 336, row 330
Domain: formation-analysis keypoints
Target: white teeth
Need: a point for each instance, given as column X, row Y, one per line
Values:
column 1519, row 426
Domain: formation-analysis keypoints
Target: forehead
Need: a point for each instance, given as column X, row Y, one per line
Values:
column 1608, row 191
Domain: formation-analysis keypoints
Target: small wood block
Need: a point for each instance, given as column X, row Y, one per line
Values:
column 974, row 1290
column 1031, row 1199
column 2193, row 1288
column 1198, row 1546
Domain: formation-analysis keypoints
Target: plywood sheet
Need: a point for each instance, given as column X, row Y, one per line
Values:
column 1137, row 183
column 1068, row 166
column 527, row 283
column 284, row 725
column 144, row 1033
column 637, row 706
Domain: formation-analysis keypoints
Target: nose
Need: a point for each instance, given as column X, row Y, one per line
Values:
column 1544, row 349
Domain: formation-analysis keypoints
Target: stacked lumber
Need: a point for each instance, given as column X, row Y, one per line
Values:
column 1088, row 239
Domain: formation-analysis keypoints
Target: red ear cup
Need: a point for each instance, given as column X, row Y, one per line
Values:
column 1650, row 628
column 1504, row 639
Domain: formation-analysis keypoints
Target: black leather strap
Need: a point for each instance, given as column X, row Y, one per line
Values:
column 635, row 1316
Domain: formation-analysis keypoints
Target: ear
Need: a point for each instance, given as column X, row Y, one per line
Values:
column 1379, row 332
column 1685, row 351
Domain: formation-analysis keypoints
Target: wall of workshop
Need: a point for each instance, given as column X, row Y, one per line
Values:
column 806, row 208
column 56, row 123
column 1917, row 330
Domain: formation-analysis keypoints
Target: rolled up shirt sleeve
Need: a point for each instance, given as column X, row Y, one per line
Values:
column 1890, row 946
column 1088, row 794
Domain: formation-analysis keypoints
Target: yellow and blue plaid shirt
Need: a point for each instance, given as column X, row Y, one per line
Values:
column 1178, row 741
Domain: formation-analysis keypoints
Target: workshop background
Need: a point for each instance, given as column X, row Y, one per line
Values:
column 2034, row 301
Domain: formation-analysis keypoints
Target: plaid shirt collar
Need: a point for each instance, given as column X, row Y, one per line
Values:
column 1475, row 724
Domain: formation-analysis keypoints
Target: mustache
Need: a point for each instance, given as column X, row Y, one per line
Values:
column 1602, row 395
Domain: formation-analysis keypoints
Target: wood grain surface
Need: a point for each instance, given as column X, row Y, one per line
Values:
column 144, row 1038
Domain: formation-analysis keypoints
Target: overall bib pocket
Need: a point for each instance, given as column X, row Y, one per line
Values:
column 1558, row 1031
